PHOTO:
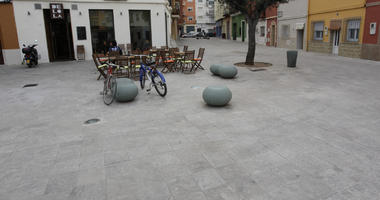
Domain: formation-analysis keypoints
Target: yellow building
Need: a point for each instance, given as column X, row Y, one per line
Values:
column 336, row 26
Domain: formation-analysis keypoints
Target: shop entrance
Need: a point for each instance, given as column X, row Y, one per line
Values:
column 1, row 55
column 234, row 31
column 59, row 37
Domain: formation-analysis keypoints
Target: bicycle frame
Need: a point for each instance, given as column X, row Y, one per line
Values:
column 144, row 69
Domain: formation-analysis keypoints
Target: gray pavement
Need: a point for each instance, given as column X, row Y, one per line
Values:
column 305, row 133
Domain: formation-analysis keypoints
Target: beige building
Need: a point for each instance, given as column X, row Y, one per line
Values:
column 292, row 20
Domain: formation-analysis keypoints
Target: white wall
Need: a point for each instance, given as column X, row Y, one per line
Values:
column 259, row 39
column 32, row 27
column 11, row 56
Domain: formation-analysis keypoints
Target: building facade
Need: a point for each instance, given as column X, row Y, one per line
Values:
column 205, row 16
column 219, row 10
column 239, row 27
column 261, row 32
column 336, row 27
column 9, row 45
column 90, row 24
column 271, row 19
column 175, row 13
column 371, row 38
column 292, row 29
column 188, row 17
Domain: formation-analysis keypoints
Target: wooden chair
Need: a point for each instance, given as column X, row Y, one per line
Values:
column 167, row 62
column 199, row 59
column 129, row 49
column 188, row 62
column 135, row 65
column 185, row 48
column 102, row 70
column 80, row 52
column 123, row 70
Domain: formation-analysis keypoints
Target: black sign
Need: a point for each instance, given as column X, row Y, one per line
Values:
column 81, row 32
column 56, row 11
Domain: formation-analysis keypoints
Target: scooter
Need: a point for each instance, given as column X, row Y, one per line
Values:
column 31, row 55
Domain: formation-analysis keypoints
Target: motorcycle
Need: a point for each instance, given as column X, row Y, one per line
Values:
column 31, row 55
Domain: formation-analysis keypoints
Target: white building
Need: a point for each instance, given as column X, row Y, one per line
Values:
column 292, row 17
column 261, row 32
column 205, row 16
column 90, row 23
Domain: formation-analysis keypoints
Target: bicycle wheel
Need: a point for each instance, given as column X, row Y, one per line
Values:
column 109, row 90
column 159, row 84
column 142, row 79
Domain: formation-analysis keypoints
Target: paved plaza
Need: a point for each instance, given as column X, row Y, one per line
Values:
column 288, row 134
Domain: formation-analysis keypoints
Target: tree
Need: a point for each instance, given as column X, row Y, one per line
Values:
column 253, row 10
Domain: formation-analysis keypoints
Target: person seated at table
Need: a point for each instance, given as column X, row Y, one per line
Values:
column 146, row 45
column 114, row 48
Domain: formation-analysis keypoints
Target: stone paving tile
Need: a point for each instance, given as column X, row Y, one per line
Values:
column 304, row 133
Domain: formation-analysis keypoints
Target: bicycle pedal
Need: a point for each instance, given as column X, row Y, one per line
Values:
column 148, row 90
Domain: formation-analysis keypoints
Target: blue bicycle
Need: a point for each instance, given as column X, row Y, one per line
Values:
column 155, row 78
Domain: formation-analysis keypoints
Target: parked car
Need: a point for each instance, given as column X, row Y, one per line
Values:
column 211, row 34
column 202, row 35
column 191, row 34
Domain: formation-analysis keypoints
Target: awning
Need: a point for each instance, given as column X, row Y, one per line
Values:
column 335, row 24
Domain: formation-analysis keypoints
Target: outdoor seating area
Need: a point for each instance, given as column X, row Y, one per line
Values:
column 165, row 59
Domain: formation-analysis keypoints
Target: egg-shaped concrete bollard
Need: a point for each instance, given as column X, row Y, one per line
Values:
column 126, row 90
column 217, row 95
column 214, row 69
column 227, row 71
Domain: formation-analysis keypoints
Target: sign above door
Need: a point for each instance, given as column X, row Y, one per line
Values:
column 56, row 11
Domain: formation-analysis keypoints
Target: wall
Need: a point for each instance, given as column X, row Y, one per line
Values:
column 323, row 6
column 186, row 14
column 8, row 35
column 261, row 39
column 321, row 10
column 293, row 12
column 32, row 27
column 371, row 43
column 237, row 19
column 271, row 17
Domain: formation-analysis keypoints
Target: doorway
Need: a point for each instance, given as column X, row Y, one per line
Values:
column 299, row 39
column 59, row 37
column 336, row 41
column 1, row 55
column 273, row 35
column 242, row 31
column 141, row 36
column 234, row 31
column 228, row 30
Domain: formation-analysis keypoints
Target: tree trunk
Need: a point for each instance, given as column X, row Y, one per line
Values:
column 252, row 23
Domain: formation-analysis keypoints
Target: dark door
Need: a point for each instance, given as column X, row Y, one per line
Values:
column 59, row 37
column 243, row 31
column 234, row 31
column 1, row 55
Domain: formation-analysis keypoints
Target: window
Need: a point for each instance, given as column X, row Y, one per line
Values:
column 190, row 18
column 189, row 9
column 189, row 0
column 285, row 31
column 262, row 31
column 200, row 1
column 353, row 28
column 318, row 30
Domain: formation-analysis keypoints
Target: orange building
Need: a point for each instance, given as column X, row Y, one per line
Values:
column 9, row 48
column 187, row 20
